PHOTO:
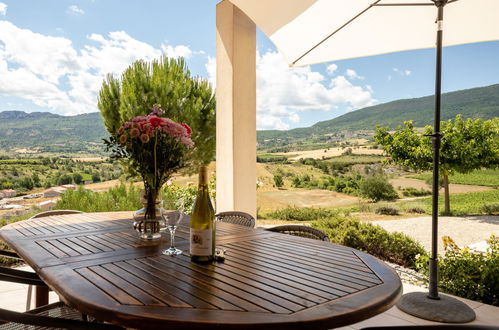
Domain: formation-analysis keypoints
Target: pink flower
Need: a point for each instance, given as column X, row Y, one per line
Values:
column 127, row 124
column 134, row 132
column 123, row 139
column 121, row 130
column 155, row 121
column 156, row 110
column 189, row 130
column 144, row 138
column 187, row 142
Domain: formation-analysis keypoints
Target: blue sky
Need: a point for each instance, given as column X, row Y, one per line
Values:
column 54, row 54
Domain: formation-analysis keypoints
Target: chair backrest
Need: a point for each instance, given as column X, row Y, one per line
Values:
column 56, row 315
column 54, row 212
column 303, row 231
column 236, row 217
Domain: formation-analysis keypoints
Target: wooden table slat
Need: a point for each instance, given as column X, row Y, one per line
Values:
column 349, row 270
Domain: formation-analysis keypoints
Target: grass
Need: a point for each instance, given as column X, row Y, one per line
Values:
column 461, row 204
column 488, row 177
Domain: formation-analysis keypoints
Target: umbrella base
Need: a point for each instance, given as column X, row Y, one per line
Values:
column 446, row 309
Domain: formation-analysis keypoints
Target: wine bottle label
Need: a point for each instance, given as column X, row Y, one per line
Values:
column 201, row 242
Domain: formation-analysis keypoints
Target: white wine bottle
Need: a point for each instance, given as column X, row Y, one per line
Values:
column 202, row 235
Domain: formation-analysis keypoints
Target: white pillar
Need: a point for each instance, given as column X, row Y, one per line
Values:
column 236, row 110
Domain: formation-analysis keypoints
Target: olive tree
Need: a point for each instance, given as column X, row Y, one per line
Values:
column 466, row 145
column 167, row 82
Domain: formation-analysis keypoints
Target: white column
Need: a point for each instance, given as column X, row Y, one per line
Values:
column 236, row 110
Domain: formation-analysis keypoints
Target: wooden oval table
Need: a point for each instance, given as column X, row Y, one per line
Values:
column 96, row 263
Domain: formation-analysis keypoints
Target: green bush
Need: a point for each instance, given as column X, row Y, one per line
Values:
column 377, row 188
column 490, row 208
column 122, row 198
column 415, row 192
column 416, row 209
column 468, row 274
column 301, row 214
column 393, row 247
column 387, row 210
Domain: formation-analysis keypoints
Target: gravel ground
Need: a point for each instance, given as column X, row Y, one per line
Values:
column 463, row 230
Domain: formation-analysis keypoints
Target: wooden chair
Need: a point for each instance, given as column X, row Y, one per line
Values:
column 303, row 231
column 236, row 217
column 41, row 290
column 56, row 315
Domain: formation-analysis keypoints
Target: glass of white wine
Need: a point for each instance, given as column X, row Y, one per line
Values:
column 172, row 218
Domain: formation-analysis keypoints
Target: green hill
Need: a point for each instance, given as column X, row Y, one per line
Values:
column 19, row 129
column 482, row 102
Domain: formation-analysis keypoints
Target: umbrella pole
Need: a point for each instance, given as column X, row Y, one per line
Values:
column 436, row 138
column 431, row 306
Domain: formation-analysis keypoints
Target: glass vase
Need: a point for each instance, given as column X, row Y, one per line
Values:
column 147, row 221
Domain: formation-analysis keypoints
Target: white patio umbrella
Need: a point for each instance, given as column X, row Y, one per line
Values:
column 314, row 31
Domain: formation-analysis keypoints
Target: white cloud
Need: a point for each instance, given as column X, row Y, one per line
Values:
column 60, row 78
column 74, row 9
column 176, row 51
column 331, row 68
column 283, row 92
column 3, row 9
column 353, row 75
column 402, row 72
column 211, row 69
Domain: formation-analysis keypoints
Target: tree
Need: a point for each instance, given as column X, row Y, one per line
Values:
column 166, row 82
column 64, row 179
column 77, row 178
column 36, row 180
column 95, row 177
column 466, row 145
column 278, row 181
column 377, row 188
column 25, row 183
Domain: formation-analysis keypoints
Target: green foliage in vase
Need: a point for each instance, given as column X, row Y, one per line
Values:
column 466, row 145
column 169, row 83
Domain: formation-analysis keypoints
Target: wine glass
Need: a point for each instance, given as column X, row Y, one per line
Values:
column 172, row 218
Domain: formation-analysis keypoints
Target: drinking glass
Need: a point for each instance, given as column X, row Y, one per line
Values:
column 172, row 214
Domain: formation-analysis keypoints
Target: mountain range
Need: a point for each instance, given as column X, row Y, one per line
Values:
column 481, row 102
column 19, row 129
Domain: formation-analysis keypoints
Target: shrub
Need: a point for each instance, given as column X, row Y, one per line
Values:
column 278, row 181
column 490, row 208
column 377, row 188
column 301, row 213
column 415, row 192
column 416, row 209
column 387, row 210
column 393, row 247
column 467, row 274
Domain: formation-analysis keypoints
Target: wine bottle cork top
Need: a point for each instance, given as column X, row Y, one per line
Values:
column 203, row 175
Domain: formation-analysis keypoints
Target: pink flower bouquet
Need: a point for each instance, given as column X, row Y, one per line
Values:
column 155, row 146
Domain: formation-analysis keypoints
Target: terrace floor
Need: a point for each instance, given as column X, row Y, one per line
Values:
column 13, row 297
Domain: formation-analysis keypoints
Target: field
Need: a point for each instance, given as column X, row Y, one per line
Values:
column 331, row 152
column 485, row 177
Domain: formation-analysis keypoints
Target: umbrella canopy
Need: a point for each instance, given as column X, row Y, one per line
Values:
column 314, row 31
